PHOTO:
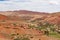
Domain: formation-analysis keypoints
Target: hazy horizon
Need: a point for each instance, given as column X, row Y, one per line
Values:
column 32, row 5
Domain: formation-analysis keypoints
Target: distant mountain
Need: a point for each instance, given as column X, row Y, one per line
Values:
column 31, row 16
column 20, row 12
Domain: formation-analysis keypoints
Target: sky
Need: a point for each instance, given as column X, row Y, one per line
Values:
column 32, row 5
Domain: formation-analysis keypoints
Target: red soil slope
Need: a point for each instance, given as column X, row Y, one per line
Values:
column 3, row 17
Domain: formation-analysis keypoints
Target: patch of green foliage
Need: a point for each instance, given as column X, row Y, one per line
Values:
column 48, row 28
column 54, row 34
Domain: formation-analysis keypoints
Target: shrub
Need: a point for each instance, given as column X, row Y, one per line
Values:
column 17, row 39
column 25, row 39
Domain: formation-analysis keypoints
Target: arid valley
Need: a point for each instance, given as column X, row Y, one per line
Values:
column 29, row 25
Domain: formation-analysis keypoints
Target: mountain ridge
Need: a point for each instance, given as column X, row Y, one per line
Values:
column 28, row 15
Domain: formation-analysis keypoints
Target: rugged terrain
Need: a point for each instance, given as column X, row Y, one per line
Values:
column 15, row 25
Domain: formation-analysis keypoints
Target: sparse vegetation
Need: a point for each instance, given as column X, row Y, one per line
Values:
column 14, row 24
column 23, row 37
column 31, row 26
